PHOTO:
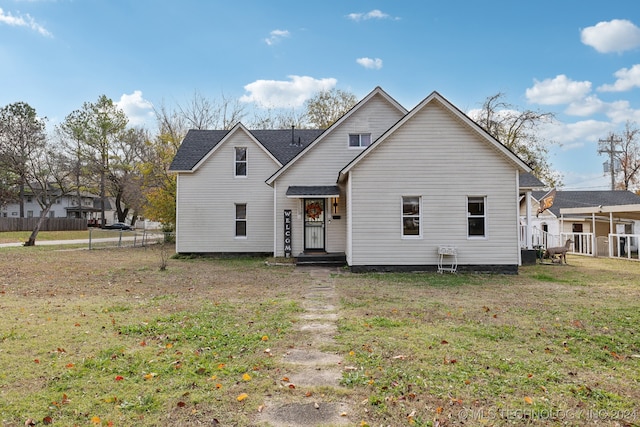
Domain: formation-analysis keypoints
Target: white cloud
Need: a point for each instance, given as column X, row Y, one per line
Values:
column 23, row 21
column 285, row 94
column 374, row 64
column 374, row 14
column 275, row 36
column 621, row 111
column 559, row 90
column 586, row 106
column 616, row 35
column 627, row 79
column 138, row 110
column 574, row 135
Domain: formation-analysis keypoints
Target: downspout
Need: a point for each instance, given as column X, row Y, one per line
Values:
column 275, row 219
column 529, row 228
column 593, row 235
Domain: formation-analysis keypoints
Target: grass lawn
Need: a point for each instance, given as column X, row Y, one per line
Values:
column 105, row 337
column 23, row 236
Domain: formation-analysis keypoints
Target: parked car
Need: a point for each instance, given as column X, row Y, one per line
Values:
column 118, row 226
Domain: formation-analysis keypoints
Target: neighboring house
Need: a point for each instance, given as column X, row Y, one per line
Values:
column 64, row 206
column 552, row 227
column 383, row 186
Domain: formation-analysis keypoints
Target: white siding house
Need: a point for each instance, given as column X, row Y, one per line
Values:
column 383, row 186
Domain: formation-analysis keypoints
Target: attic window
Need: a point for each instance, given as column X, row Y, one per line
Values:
column 359, row 140
column 241, row 161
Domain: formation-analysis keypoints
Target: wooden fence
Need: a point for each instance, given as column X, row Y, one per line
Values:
column 49, row 224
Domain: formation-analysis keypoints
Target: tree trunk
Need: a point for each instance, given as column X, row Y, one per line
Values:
column 121, row 213
column 36, row 230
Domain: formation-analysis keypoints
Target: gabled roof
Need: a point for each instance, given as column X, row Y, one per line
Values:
column 436, row 97
column 377, row 91
column 584, row 199
column 281, row 144
column 529, row 181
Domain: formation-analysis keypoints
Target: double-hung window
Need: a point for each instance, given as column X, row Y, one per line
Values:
column 359, row 140
column 411, row 218
column 476, row 216
column 241, row 220
column 240, row 161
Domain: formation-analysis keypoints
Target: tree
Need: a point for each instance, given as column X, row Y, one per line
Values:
column 518, row 131
column 326, row 107
column 71, row 136
column 623, row 150
column 22, row 134
column 48, row 178
column 125, row 178
column 159, row 186
column 202, row 113
column 101, row 124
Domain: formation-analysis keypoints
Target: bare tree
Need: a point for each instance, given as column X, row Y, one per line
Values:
column 625, row 155
column 49, row 178
column 202, row 113
column 278, row 119
column 518, row 131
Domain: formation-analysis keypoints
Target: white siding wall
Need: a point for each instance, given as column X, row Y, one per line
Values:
column 320, row 166
column 208, row 224
column 437, row 157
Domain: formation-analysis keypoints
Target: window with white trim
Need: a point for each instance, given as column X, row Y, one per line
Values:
column 359, row 140
column 476, row 216
column 241, row 220
column 240, row 169
column 411, row 218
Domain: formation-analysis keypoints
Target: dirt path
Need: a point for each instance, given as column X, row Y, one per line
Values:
column 313, row 370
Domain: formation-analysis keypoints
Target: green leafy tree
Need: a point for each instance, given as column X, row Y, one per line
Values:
column 22, row 136
column 100, row 127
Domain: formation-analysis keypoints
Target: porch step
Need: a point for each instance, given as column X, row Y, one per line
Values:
column 322, row 259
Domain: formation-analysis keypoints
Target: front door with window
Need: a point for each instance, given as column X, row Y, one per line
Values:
column 314, row 224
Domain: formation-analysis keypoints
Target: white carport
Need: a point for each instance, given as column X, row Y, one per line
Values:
column 615, row 213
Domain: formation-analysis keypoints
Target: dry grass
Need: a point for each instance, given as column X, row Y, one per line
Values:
column 105, row 337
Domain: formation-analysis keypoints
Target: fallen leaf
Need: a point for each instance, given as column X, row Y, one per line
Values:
column 285, row 379
column 400, row 356
column 70, row 365
column 260, row 408
column 444, row 342
column 95, row 420
column 308, row 394
column 292, row 386
column 246, row 377
column 47, row 420
column 181, row 404
column 119, row 377
column 242, row 397
column 528, row 400
column 218, row 385
column 265, row 338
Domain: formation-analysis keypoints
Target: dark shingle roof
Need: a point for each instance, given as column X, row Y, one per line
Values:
column 313, row 190
column 278, row 142
column 528, row 180
column 583, row 199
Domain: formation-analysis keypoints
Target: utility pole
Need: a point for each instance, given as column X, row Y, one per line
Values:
column 608, row 146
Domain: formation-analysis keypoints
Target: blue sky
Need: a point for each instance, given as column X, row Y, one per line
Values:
column 577, row 59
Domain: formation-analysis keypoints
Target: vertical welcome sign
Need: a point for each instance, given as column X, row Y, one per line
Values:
column 287, row 233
